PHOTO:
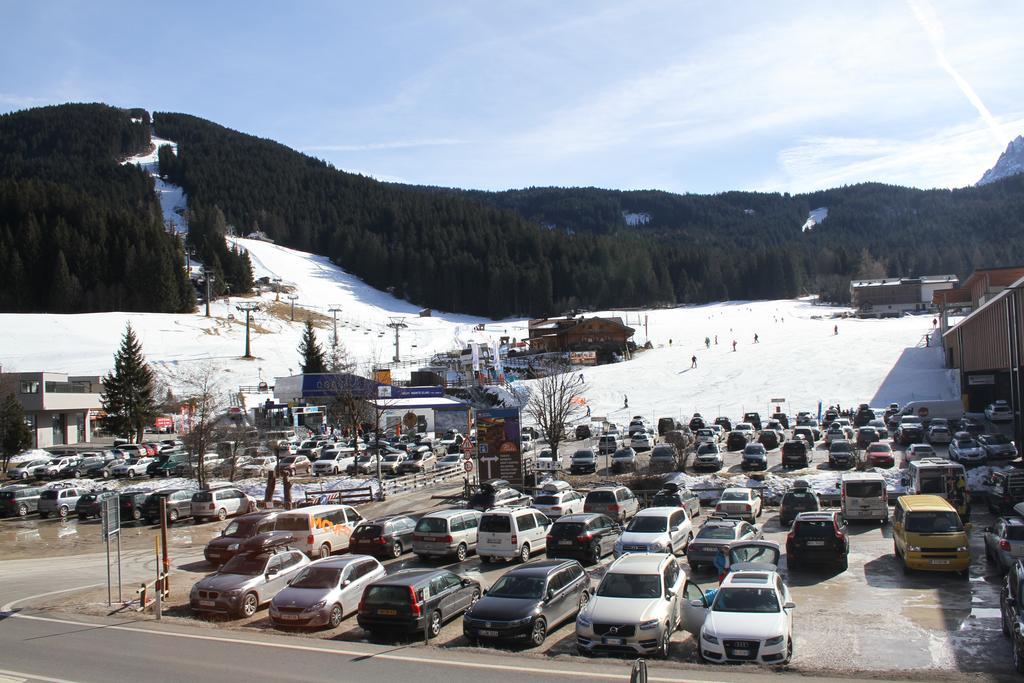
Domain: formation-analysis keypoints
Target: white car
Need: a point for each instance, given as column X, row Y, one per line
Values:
column 749, row 620
column 259, row 466
column 511, row 534
column 637, row 606
column 656, row 530
column 916, row 451
column 136, row 467
column 450, row 460
column 547, row 462
column 999, row 412
column 740, row 502
column 29, row 470
column 527, row 441
column 641, row 441
column 939, row 433
column 556, row 498
column 219, row 503
column 707, row 435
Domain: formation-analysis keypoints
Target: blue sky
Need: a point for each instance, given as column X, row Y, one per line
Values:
column 680, row 96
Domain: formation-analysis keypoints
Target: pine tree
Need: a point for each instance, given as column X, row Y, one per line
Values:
column 311, row 354
column 15, row 435
column 128, row 391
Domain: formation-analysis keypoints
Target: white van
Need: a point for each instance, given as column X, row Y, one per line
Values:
column 512, row 533
column 863, row 496
column 320, row 530
column 219, row 503
column 928, row 410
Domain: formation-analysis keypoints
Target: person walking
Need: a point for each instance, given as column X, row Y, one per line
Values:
column 835, row 330
column 755, row 338
column 722, row 563
column 707, row 342
column 670, row 342
column 693, row 362
column 625, row 401
column 734, row 345
column 716, row 340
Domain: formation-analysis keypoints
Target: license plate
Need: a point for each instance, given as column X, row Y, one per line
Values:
column 565, row 543
column 429, row 539
column 741, row 653
column 206, row 603
column 489, row 634
column 613, row 641
column 387, row 612
column 288, row 617
column 815, row 542
column 939, row 561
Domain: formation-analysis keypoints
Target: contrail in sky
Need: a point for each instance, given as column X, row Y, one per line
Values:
column 932, row 27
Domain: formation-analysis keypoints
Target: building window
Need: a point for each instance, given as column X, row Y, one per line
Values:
column 29, row 387
column 57, row 426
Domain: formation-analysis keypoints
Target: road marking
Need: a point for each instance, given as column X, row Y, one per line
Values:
column 9, row 606
column 547, row 672
column 21, row 677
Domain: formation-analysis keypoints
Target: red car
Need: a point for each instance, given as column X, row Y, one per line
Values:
column 152, row 449
column 880, row 455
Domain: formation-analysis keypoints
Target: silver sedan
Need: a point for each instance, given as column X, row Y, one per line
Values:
column 324, row 592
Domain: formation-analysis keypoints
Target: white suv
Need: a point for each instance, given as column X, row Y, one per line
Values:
column 740, row 502
column 656, row 530
column 511, row 533
column 635, row 609
column 556, row 498
column 219, row 503
column 750, row 619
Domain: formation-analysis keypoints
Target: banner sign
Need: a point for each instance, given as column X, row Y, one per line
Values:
column 583, row 357
column 499, row 441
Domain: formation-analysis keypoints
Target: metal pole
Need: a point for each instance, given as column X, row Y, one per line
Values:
column 247, row 311
column 106, row 536
column 207, row 278
column 119, row 597
column 163, row 539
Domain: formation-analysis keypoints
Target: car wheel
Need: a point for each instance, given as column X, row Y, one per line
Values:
column 82, row 518
column 63, row 512
column 336, row 616
column 78, row 474
column 325, row 550
column 475, row 597
column 334, row 471
column 24, row 475
column 539, row 632
column 584, row 599
column 460, row 552
column 173, row 515
column 22, row 510
column 434, row 625
column 524, row 554
column 396, row 549
column 250, row 603
column 131, row 474
column 222, row 514
column 136, row 514
column 663, row 646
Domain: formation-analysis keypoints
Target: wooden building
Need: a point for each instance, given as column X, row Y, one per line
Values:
column 578, row 334
column 891, row 297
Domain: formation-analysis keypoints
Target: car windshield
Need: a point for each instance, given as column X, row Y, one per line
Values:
column 396, row 596
column 600, row 497
column 512, row 586
column 617, row 585
column 392, row 457
column 707, row 449
column 746, row 600
column 582, row 455
column 879, row 448
column 996, row 439
column 623, row 454
column 967, row 443
column 734, row 495
column 365, row 458
column 566, row 530
column 317, row 577
column 242, row 528
column 933, row 522
column 798, row 498
column 648, row 525
column 814, row 528
column 246, row 565
column 432, row 525
column 923, row 450
column 49, row 495
column 841, row 447
column 717, row 532
column 864, row 489
column 496, row 524
column 547, row 500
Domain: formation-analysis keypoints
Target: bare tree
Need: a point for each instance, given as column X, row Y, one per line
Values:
column 207, row 397
column 555, row 399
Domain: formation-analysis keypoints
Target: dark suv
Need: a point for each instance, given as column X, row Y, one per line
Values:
column 671, row 495
column 585, row 537
column 383, row 537
column 91, row 504
column 841, row 455
column 818, row 537
column 415, row 599
column 230, row 542
column 795, row 453
column 131, row 505
column 19, row 500
column 179, row 505
column 1007, row 489
column 798, row 499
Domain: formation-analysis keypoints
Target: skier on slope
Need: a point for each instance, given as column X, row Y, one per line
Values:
column 693, row 362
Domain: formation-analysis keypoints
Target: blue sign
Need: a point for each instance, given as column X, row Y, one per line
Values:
column 417, row 392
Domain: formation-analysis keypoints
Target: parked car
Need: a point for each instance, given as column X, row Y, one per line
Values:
column 446, row 533
column 1011, row 612
column 324, row 592
column 641, row 441
column 133, row 467
column 841, row 455
column 1004, row 542
column 91, row 504
column 511, row 533
column 724, row 422
column 636, row 607
column 582, row 432
column 59, row 501
column 415, row 601
column 262, row 465
column 166, row 464
column 880, row 454
column 524, row 604
column 880, row 428
column 102, row 469
column 754, row 419
column 419, row 461
column 220, row 503
column 19, row 500
column 738, row 439
column 929, row 535
column 28, row 470
column 226, row 546
column 917, row 451
column 715, row 533
column 294, row 464
column 811, row 434
column 624, row 460
column 866, row 436
column 998, row 446
column 320, row 530
column 497, row 493
column 741, row 502
column 672, row 495
column 383, row 537
column 1005, row 490
column 656, row 530
column 665, row 425
column 556, row 498
column 607, row 443
column 664, row 458
column 750, row 619
column 939, row 434
column 248, row 580
column 586, row 537
column 617, row 502
column 709, row 456
column 999, row 411
column 909, row 430
column 796, row 453
column 798, row 499
column 331, row 461
column 54, row 469
column 770, row 439
column 706, row 435
column 179, row 504
column 583, row 462
column 818, row 537
column 755, row 457
column 965, row 450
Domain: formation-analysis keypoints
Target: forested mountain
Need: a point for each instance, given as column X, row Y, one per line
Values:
column 79, row 231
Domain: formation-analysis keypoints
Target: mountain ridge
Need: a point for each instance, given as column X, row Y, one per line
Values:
column 1009, row 163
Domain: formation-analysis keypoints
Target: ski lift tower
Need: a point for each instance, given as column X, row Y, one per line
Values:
column 247, row 307
column 397, row 324
column 335, row 310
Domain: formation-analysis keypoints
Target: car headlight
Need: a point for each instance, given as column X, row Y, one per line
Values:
column 648, row 625
column 775, row 641
column 583, row 621
column 657, row 546
column 961, row 549
column 313, row 608
column 233, row 546
column 707, row 637
column 232, row 593
column 914, row 548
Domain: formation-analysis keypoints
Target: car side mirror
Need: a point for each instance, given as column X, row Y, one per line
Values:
column 272, row 571
column 346, row 582
column 551, row 594
column 789, row 605
column 697, row 603
column 466, row 583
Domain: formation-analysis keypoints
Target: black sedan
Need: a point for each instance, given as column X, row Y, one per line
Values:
column 527, row 602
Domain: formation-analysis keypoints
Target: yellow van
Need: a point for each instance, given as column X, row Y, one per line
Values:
column 928, row 534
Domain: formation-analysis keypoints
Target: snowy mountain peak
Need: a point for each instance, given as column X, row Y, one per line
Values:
column 1010, row 162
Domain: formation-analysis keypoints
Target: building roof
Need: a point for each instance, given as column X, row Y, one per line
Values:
column 1017, row 284
column 436, row 402
column 895, row 281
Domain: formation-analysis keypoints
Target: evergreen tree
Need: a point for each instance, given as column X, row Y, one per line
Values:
column 128, row 390
column 15, row 436
column 311, row 354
